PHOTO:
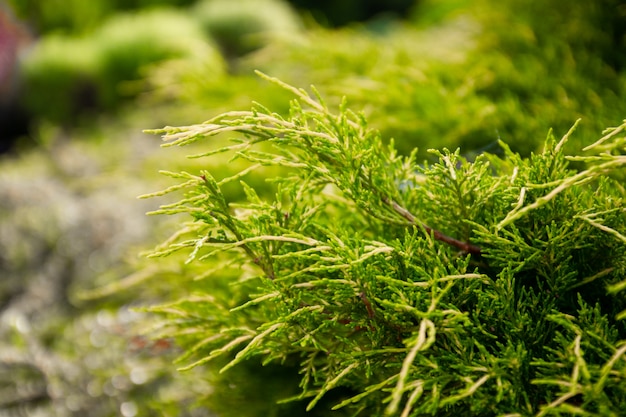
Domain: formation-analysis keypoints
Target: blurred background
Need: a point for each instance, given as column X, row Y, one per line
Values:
column 80, row 80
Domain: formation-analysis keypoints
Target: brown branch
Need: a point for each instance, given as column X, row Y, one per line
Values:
column 368, row 305
column 463, row 246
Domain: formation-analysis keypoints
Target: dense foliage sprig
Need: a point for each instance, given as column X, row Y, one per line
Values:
column 452, row 288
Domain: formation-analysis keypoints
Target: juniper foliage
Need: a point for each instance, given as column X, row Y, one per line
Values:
column 396, row 288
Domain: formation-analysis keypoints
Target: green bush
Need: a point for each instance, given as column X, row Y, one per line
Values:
column 103, row 70
column 76, row 16
column 130, row 44
column 63, row 71
column 245, row 25
column 388, row 287
column 466, row 74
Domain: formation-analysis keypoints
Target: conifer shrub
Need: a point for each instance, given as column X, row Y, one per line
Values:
column 367, row 283
column 465, row 74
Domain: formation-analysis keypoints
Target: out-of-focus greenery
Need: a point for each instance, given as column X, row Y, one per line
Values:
column 76, row 16
column 543, row 62
column 452, row 73
column 68, row 220
column 97, row 71
column 244, row 25
column 494, row 72
column 497, row 70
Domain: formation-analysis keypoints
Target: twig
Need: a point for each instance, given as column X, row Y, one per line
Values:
column 368, row 305
column 464, row 246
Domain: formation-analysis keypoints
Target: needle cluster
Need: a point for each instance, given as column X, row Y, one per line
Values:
column 387, row 286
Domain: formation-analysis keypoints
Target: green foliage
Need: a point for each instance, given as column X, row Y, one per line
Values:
column 473, row 285
column 242, row 26
column 76, row 16
column 544, row 63
column 130, row 44
column 99, row 71
column 504, row 70
column 61, row 71
column 389, row 287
